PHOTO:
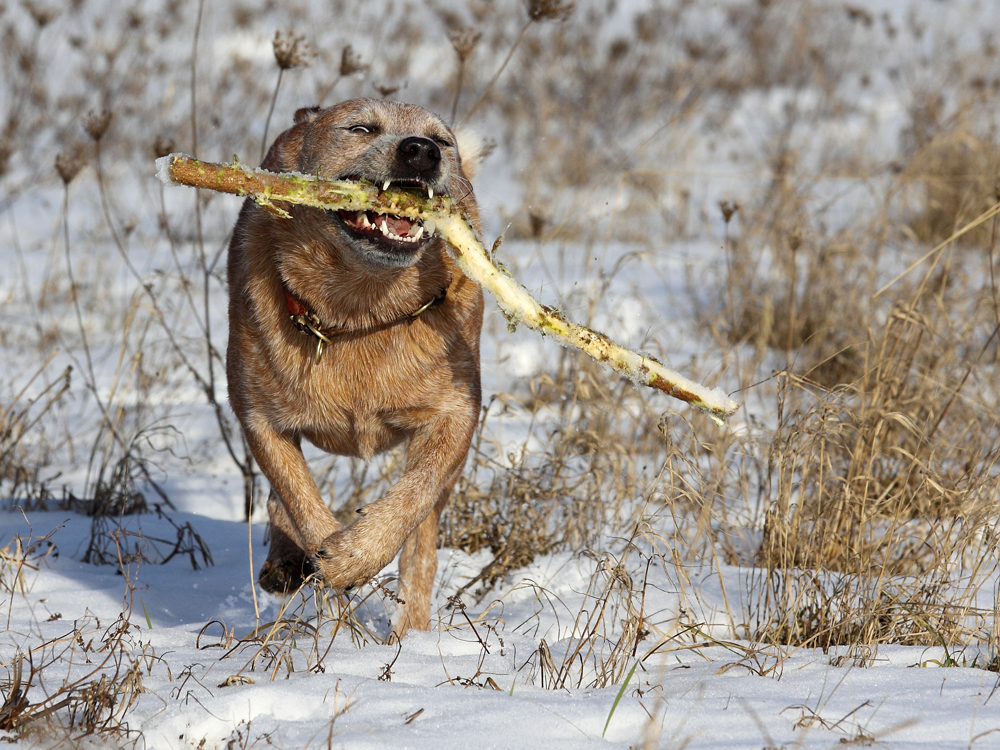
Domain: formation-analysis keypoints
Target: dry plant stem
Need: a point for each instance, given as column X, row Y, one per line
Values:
column 458, row 89
column 72, row 287
column 443, row 216
column 246, row 465
column 253, row 577
column 328, row 90
column 993, row 279
column 120, row 245
column 496, row 76
column 982, row 218
column 194, row 74
column 199, row 233
column 186, row 288
column 270, row 111
column 48, row 404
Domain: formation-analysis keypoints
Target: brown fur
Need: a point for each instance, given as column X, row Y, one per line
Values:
column 416, row 382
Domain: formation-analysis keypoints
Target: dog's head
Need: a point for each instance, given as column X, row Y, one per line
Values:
column 384, row 143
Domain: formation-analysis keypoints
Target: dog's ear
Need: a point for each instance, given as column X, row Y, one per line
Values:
column 307, row 114
column 283, row 156
column 472, row 149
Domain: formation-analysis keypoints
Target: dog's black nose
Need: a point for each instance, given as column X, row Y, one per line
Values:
column 422, row 155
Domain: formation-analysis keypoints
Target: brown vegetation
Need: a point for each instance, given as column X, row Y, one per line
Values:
column 859, row 493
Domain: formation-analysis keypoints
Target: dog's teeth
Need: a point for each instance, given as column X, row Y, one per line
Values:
column 419, row 233
column 385, row 185
column 430, row 193
column 362, row 219
column 384, row 227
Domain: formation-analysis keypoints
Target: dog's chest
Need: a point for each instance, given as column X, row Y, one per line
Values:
column 353, row 433
column 364, row 399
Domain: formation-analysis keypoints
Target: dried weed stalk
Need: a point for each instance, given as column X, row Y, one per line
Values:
column 103, row 678
column 882, row 528
column 302, row 634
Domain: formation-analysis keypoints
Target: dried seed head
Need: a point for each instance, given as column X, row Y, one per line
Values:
column 860, row 15
column 385, row 91
column 795, row 239
column 163, row 146
column 538, row 223
column 618, row 49
column 42, row 16
column 464, row 41
column 728, row 209
column 6, row 151
column 70, row 162
column 291, row 51
column 350, row 62
column 243, row 16
column 97, row 124
column 550, row 10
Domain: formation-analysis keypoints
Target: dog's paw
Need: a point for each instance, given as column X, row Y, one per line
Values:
column 285, row 575
column 345, row 564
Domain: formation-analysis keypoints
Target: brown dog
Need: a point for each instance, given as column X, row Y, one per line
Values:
column 357, row 332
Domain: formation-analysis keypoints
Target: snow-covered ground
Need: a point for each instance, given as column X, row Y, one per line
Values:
column 467, row 682
column 623, row 644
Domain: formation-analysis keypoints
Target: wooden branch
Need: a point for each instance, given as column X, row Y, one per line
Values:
column 446, row 218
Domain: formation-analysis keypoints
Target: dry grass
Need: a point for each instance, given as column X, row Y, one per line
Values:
column 882, row 526
column 860, row 492
column 93, row 700
column 101, row 667
column 300, row 637
column 586, row 434
column 22, row 447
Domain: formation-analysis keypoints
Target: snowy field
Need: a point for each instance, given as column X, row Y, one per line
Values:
column 464, row 682
column 766, row 195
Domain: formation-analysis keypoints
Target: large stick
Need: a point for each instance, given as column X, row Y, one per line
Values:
column 441, row 215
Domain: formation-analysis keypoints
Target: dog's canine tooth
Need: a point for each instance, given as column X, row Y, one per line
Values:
column 430, row 193
column 384, row 227
column 418, row 234
column 362, row 218
column 385, row 185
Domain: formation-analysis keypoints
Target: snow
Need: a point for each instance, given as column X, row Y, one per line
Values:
column 476, row 679
column 736, row 696
column 163, row 171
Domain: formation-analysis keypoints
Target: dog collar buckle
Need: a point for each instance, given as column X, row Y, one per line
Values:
column 310, row 324
column 430, row 304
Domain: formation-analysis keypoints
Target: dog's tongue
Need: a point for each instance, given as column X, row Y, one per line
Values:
column 398, row 225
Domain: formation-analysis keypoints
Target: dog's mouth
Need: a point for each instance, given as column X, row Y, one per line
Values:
column 392, row 239
column 396, row 232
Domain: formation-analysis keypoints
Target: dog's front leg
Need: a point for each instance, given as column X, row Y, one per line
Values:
column 299, row 518
column 436, row 454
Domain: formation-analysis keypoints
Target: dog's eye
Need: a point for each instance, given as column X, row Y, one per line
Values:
column 362, row 128
column 444, row 142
